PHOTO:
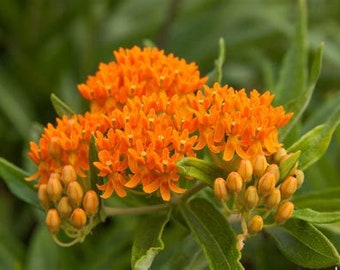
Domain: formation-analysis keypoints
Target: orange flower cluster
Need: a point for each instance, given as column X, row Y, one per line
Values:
column 147, row 112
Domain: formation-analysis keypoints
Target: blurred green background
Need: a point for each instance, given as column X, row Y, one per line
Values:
column 51, row 46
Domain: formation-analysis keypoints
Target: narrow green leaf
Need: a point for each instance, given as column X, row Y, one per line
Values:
column 93, row 156
column 148, row 241
column 202, row 170
column 315, row 142
column 14, row 178
column 293, row 75
column 312, row 216
column 217, row 73
column 287, row 165
column 61, row 107
column 299, row 104
column 213, row 233
column 304, row 244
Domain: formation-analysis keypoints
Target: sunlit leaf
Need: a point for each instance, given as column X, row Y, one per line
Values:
column 304, row 244
column 213, row 233
column 61, row 107
column 287, row 165
column 312, row 216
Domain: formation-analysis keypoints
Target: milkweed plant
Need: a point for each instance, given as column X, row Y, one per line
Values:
column 182, row 150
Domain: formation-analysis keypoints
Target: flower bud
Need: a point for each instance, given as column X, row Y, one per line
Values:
column 251, row 198
column 274, row 168
column 300, row 177
column 75, row 193
column 53, row 220
column 43, row 196
column 288, row 187
column 284, row 212
column 64, row 207
column 279, row 154
column 245, row 170
column 68, row 174
column 259, row 165
column 78, row 218
column 91, row 203
column 273, row 199
column 255, row 224
column 54, row 187
column 266, row 184
column 240, row 241
column 54, row 147
column 234, row 182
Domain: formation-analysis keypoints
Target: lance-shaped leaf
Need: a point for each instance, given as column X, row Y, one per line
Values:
column 304, row 244
column 202, row 170
column 216, row 74
column 312, row 216
column 315, row 142
column 61, row 107
column 15, row 180
column 213, row 233
column 148, row 241
column 287, row 165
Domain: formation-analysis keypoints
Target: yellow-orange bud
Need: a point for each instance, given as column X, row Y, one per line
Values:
column 240, row 241
column 251, row 198
column 259, row 165
column 75, row 193
column 266, row 184
column 288, row 187
column 64, row 207
column 245, row 170
column 78, row 218
column 54, row 187
column 279, row 154
column 91, row 202
column 284, row 212
column 274, row 168
column 68, row 174
column 53, row 220
column 273, row 199
column 43, row 196
column 300, row 177
column 255, row 224
column 234, row 182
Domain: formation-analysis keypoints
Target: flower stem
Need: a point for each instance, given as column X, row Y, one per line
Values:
column 113, row 211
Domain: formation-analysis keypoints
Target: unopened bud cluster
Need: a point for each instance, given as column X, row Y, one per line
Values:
column 69, row 206
column 257, row 189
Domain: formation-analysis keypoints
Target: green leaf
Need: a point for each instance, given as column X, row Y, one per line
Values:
column 213, row 233
column 304, row 244
column 315, row 142
column 324, row 201
column 299, row 104
column 217, row 73
column 14, row 178
column 312, row 216
column 93, row 156
column 148, row 241
column 293, row 75
column 202, row 170
column 61, row 107
column 287, row 165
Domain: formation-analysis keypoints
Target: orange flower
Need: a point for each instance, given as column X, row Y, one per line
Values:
column 231, row 122
column 139, row 72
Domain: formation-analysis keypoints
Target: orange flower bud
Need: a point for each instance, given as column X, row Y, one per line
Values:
column 300, row 177
column 91, row 202
column 274, row 168
column 279, row 154
column 68, row 174
column 43, row 196
column 288, row 187
column 284, row 212
column 240, row 241
column 75, row 193
column 78, row 218
column 251, row 198
column 245, row 170
column 255, row 224
column 273, row 199
column 54, row 187
column 259, row 165
column 234, row 182
column 53, row 220
column 54, row 147
column 266, row 184
column 64, row 207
